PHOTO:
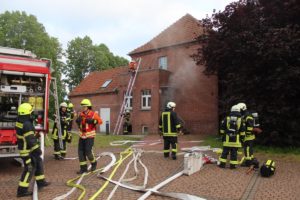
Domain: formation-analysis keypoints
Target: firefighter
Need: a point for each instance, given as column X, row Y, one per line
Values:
column 30, row 151
column 169, row 127
column 64, row 124
column 126, row 125
column 248, row 142
column 132, row 67
column 72, row 115
column 87, row 121
column 232, row 131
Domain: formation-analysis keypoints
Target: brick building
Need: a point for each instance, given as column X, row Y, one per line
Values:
column 167, row 73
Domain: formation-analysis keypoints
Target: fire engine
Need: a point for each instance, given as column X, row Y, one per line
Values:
column 23, row 78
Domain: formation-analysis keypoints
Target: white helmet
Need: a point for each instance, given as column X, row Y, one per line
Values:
column 235, row 108
column 171, row 105
column 63, row 104
column 242, row 106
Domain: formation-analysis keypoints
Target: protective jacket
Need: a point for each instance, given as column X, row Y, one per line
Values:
column 27, row 142
column 87, row 122
column 169, row 123
column 232, row 130
column 248, row 122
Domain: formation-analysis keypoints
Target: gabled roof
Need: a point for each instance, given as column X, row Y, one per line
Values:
column 185, row 30
column 93, row 82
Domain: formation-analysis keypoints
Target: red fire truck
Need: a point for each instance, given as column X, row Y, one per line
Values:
column 23, row 78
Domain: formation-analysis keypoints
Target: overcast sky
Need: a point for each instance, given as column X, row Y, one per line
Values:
column 122, row 25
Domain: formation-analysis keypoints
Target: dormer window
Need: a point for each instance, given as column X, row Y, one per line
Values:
column 106, row 83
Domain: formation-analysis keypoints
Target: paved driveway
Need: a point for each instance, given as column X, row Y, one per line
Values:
column 211, row 182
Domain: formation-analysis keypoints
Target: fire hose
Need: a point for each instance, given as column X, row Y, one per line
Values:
column 127, row 153
column 136, row 158
column 80, row 178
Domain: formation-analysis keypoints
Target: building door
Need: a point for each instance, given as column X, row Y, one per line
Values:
column 105, row 116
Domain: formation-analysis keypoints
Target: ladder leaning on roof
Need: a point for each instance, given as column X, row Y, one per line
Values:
column 127, row 93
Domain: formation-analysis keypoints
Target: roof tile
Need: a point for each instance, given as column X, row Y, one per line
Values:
column 186, row 29
column 93, row 82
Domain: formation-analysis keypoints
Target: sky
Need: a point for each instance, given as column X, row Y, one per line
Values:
column 122, row 25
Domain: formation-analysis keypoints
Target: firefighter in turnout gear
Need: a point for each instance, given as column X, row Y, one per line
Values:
column 126, row 125
column 232, row 131
column 87, row 121
column 72, row 115
column 169, row 127
column 64, row 123
column 30, row 151
column 248, row 121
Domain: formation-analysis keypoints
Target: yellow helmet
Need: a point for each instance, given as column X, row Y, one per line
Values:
column 70, row 105
column 25, row 109
column 86, row 102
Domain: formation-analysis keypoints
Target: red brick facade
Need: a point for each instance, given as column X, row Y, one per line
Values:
column 182, row 82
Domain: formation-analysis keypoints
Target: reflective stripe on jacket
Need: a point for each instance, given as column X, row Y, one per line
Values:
column 169, row 123
column 89, row 130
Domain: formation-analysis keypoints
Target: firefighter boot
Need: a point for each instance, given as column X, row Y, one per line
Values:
column 222, row 165
column 83, row 169
column 23, row 192
column 232, row 166
column 42, row 183
column 56, row 157
column 94, row 166
column 63, row 155
column 174, row 156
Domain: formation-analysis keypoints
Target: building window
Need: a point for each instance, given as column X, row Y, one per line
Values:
column 163, row 63
column 145, row 130
column 146, row 99
column 106, row 83
column 128, row 100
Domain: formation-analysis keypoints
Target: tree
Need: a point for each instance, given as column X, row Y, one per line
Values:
column 19, row 30
column 84, row 57
column 253, row 47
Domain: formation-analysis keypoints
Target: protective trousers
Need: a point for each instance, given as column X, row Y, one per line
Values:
column 248, row 149
column 170, row 141
column 233, row 156
column 85, row 149
column 57, row 150
column 33, row 164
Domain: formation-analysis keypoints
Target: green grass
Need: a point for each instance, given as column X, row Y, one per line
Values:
column 101, row 140
column 213, row 141
column 290, row 153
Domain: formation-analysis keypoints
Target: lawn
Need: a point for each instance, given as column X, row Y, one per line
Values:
column 101, row 140
column 291, row 153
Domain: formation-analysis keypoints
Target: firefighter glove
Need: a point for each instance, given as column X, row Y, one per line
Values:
column 90, row 121
column 79, row 120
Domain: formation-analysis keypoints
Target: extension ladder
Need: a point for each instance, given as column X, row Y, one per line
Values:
column 127, row 93
column 57, row 120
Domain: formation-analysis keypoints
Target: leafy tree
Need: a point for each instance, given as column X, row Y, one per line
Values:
column 84, row 57
column 19, row 30
column 253, row 47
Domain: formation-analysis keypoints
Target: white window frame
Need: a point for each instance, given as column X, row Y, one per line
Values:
column 163, row 62
column 146, row 94
column 129, row 101
column 106, row 83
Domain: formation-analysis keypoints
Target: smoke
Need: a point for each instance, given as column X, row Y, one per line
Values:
column 183, row 81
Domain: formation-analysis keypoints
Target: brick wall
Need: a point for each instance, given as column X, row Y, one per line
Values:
column 195, row 94
column 183, row 82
